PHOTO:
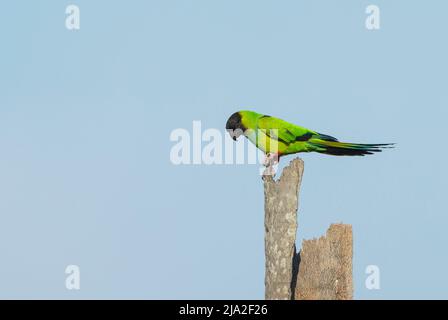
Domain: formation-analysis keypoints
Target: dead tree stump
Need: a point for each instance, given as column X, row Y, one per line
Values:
column 323, row 268
column 280, row 221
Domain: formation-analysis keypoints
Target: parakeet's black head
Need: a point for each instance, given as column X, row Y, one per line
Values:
column 234, row 126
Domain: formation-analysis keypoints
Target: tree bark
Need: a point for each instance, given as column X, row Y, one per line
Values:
column 323, row 268
column 281, row 203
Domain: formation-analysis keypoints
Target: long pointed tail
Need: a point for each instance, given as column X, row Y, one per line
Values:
column 336, row 148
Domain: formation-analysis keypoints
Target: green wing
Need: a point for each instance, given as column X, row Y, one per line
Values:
column 298, row 139
column 283, row 131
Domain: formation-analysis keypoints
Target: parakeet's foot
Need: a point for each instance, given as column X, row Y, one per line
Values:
column 270, row 160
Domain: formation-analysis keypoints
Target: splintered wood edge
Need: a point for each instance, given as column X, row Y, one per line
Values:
column 294, row 169
column 336, row 230
column 338, row 234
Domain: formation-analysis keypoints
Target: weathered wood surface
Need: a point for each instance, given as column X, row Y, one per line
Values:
column 323, row 268
column 281, row 203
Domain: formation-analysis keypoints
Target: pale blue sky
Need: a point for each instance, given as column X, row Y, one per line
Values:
column 85, row 119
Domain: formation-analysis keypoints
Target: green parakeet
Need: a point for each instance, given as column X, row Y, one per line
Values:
column 277, row 137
